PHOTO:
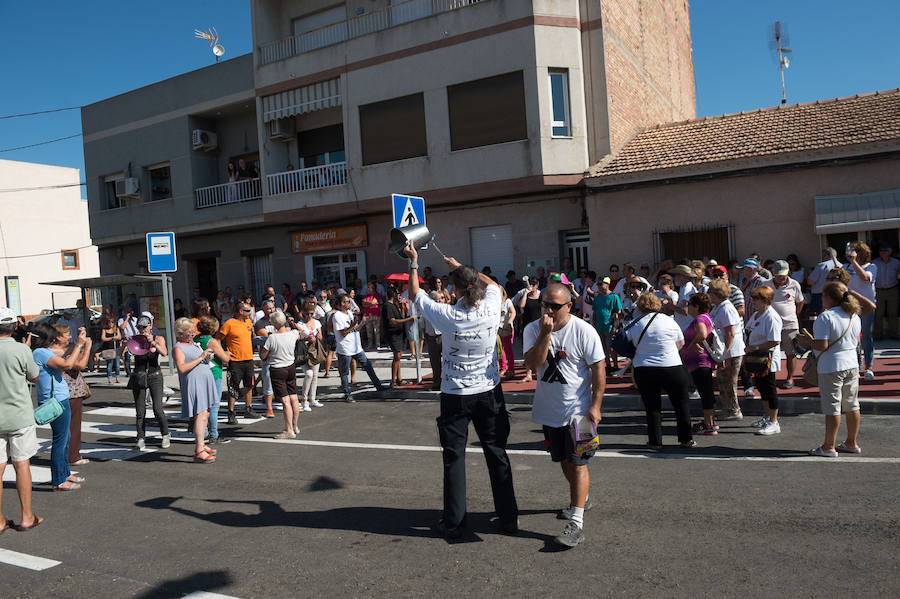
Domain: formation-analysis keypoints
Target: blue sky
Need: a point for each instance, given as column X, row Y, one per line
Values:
column 74, row 53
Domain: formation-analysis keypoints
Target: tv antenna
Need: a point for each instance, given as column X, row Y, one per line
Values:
column 779, row 44
column 212, row 36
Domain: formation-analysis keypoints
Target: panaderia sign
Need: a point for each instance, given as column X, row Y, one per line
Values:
column 334, row 238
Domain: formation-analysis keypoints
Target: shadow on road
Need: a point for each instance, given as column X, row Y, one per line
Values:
column 199, row 581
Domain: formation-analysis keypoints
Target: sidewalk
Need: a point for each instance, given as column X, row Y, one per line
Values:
column 881, row 396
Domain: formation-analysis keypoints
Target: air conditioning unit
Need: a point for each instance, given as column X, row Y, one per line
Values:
column 127, row 187
column 203, row 140
column 281, row 129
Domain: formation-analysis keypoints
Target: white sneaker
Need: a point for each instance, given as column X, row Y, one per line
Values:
column 166, row 441
column 306, row 408
column 316, row 404
column 760, row 423
column 167, row 391
column 770, row 428
column 749, row 392
column 869, row 375
column 140, row 445
column 694, row 395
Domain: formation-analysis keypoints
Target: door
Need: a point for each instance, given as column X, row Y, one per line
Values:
column 492, row 246
column 341, row 268
column 207, row 278
column 259, row 277
column 578, row 248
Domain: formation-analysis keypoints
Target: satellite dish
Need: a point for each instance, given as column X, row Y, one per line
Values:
column 218, row 50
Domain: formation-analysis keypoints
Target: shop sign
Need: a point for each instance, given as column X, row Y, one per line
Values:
column 334, row 238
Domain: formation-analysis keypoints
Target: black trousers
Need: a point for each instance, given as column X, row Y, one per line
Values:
column 651, row 381
column 703, row 381
column 768, row 391
column 155, row 383
column 487, row 411
column 434, row 344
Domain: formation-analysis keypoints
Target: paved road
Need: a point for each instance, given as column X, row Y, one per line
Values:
column 346, row 510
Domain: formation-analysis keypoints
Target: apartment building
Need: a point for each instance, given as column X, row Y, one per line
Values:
column 492, row 110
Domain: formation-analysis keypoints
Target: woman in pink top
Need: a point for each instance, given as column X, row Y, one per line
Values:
column 698, row 361
column 371, row 307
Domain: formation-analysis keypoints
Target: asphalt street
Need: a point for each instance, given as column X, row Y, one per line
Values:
column 347, row 509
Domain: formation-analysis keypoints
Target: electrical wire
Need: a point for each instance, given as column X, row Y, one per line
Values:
column 42, row 143
column 60, row 186
column 15, row 116
column 84, row 247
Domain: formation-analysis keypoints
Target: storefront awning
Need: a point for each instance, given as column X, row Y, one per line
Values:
column 858, row 212
column 318, row 96
column 104, row 281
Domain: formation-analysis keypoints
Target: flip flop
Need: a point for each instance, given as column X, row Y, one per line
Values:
column 81, row 462
column 72, row 487
column 823, row 453
column 844, row 449
column 9, row 524
column 75, row 479
column 37, row 521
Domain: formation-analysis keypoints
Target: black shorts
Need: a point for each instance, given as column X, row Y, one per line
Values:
column 396, row 342
column 330, row 342
column 240, row 373
column 558, row 441
column 284, row 381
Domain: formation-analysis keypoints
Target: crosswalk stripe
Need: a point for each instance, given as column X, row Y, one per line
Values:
column 39, row 475
column 636, row 453
column 23, row 560
column 99, row 452
column 207, row 595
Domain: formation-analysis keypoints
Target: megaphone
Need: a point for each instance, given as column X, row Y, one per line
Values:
column 419, row 235
column 138, row 345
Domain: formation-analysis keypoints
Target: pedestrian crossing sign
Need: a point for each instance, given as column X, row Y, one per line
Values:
column 408, row 210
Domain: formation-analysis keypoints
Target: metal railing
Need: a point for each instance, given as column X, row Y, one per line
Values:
column 228, row 193
column 305, row 179
column 370, row 22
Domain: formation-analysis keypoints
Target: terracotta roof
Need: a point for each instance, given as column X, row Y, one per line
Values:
column 758, row 136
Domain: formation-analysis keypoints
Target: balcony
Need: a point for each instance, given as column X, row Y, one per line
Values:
column 377, row 20
column 228, row 193
column 305, row 179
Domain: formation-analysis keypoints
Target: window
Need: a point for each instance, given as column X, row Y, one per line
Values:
column 324, row 145
column 559, row 100
column 487, row 111
column 160, row 178
column 393, row 129
column 108, row 191
column 69, row 259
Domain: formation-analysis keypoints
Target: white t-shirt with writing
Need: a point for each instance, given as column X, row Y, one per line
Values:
column 348, row 345
column 564, row 379
column 830, row 325
column 468, row 353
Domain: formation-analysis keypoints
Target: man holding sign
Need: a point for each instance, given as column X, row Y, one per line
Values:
column 568, row 356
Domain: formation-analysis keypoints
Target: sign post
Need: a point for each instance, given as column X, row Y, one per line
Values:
column 161, row 258
column 410, row 210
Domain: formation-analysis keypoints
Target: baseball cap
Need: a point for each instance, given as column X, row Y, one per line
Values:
column 712, row 263
column 144, row 321
column 684, row 270
column 148, row 315
column 7, row 316
column 780, row 268
column 749, row 263
column 606, row 280
column 720, row 268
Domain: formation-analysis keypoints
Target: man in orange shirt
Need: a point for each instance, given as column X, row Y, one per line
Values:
column 236, row 334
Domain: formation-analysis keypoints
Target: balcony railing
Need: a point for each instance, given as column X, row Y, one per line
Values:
column 228, row 193
column 304, row 179
column 377, row 20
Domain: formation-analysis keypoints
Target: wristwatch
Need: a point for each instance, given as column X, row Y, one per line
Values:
column 413, row 265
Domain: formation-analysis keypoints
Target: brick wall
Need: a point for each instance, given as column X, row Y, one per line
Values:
column 648, row 62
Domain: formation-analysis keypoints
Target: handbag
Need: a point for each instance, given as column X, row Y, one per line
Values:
column 758, row 363
column 108, row 354
column 623, row 346
column 505, row 330
column 301, row 352
column 51, row 409
column 316, row 353
column 811, row 366
column 716, row 349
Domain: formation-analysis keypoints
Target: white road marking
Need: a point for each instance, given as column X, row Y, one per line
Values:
column 124, row 430
column 99, row 452
column 636, row 453
column 39, row 475
column 120, row 412
column 23, row 560
column 207, row 595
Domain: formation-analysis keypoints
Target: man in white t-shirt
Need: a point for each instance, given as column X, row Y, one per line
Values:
column 685, row 278
column 346, row 334
column 816, row 279
column 788, row 302
column 470, row 391
column 567, row 354
column 262, row 328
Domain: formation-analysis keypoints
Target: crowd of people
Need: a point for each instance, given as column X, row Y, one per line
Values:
column 687, row 329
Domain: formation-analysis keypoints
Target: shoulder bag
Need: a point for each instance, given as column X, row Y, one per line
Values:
column 623, row 346
column 811, row 366
column 51, row 409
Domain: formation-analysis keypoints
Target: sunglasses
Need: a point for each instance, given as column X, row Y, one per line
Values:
column 246, row 311
column 552, row 306
column 718, row 274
